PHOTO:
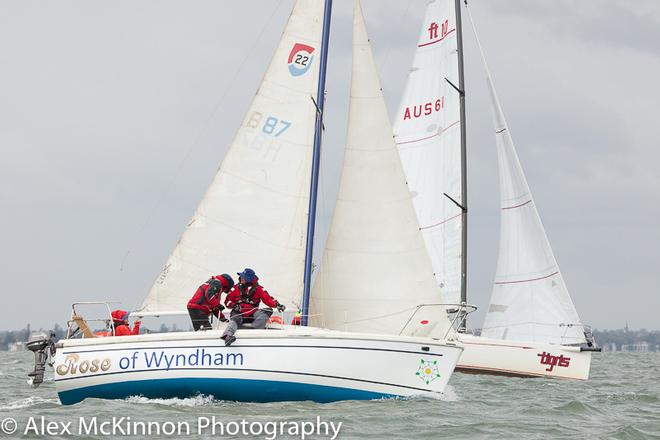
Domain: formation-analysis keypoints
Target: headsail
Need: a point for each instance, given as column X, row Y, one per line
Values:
column 428, row 135
column 530, row 301
column 254, row 213
column 375, row 271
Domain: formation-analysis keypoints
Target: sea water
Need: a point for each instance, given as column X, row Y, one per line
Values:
column 621, row 400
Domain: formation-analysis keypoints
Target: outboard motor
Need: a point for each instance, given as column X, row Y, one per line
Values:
column 43, row 346
column 591, row 341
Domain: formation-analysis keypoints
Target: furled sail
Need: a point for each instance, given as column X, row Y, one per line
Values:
column 375, row 272
column 254, row 213
column 530, row 301
column 427, row 131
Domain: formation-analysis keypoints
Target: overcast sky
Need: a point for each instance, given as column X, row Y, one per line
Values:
column 114, row 116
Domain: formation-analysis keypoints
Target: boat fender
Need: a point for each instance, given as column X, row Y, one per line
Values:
column 276, row 320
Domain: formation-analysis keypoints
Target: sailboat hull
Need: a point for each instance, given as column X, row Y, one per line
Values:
column 522, row 359
column 261, row 366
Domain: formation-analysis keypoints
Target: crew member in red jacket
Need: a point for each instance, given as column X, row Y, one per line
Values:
column 120, row 323
column 244, row 300
column 206, row 300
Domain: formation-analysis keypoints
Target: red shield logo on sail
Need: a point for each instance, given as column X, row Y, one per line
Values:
column 300, row 59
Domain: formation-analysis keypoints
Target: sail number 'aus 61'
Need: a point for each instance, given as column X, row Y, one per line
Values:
column 424, row 109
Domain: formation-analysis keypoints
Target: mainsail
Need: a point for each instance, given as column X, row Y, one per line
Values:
column 428, row 134
column 530, row 301
column 254, row 213
column 375, row 272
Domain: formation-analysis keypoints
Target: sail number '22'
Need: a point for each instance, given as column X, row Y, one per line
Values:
column 301, row 60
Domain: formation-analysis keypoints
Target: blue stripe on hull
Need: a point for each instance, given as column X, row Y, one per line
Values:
column 240, row 390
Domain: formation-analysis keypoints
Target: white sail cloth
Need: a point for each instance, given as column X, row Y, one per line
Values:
column 427, row 130
column 254, row 213
column 530, row 301
column 375, row 271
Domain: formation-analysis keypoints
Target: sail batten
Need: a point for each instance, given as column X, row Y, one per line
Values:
column 375, row 274
column 254, row 213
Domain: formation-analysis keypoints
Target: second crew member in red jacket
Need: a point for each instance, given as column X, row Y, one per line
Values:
column 206, row 300
column 244, row 300
column 120, row 323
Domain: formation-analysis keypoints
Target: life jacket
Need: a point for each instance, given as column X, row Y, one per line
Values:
column 115, row 326
column 215, row 287
column 247, row 295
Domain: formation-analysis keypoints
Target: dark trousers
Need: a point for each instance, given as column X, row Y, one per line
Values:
column 200, row 319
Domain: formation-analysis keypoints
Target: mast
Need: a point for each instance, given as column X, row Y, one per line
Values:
column 316, row 158
column 464, row 217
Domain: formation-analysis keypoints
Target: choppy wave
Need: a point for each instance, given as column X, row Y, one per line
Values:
column 630, row 432
column 620, row 401
column 577, row 407
column 191, row 402
column 29, row 402
column 448, row 396
column 631, row 395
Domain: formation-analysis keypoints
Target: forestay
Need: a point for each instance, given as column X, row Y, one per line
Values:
column 254, row 213
column 428, row 134
column 530, row 301
column 375, row 271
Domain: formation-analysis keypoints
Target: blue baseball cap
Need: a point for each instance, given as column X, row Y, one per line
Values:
column 248, row 275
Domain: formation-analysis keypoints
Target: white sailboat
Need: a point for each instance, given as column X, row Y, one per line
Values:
column 531, row 327
column 255, row 213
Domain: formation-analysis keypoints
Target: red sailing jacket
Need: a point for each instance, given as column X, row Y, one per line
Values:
column 124, row 329
column 201, row 301
column 120, row 323
column 249, row 297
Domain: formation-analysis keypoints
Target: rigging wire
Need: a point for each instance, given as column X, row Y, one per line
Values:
column 389, row 51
